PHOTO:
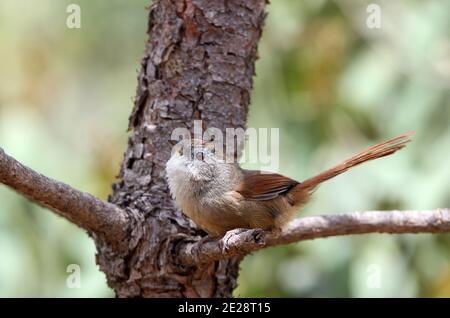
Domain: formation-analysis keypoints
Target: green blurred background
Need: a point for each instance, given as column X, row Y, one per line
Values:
column 332, row 86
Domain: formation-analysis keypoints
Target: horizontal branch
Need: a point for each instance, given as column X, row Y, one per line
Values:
column 101, row 218
column 241, row 242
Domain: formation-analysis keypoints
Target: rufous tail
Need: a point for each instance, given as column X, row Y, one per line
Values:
column 380, row 150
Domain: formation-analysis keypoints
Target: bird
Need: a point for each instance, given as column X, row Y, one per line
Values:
column 220, row 196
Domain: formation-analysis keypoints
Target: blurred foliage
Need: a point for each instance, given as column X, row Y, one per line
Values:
column 332, row 86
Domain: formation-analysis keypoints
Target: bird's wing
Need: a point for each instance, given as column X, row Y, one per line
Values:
column 261, row 186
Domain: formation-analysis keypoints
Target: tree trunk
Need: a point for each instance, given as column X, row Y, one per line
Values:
column 198, row 64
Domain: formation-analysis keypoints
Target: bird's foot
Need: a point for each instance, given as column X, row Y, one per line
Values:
column 240, row 235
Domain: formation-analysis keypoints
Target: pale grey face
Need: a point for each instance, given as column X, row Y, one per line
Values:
column 192, row 160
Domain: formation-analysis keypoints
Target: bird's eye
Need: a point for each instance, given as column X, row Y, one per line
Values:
column 199, row 156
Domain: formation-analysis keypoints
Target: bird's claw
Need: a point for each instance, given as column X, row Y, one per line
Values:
column 253, row 235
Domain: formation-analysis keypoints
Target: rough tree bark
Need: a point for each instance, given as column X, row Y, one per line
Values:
column 198, row 64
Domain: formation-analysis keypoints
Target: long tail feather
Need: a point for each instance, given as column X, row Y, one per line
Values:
column 380, row 150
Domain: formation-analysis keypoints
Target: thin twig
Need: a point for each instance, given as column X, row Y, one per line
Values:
column 242, row 242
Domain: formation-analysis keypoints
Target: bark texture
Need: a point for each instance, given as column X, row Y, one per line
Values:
column 198, row 65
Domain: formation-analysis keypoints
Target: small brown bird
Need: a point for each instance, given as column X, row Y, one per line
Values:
column 220, row 196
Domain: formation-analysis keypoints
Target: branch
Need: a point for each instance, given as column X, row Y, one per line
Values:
column 101, row 218
column 241, row 242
